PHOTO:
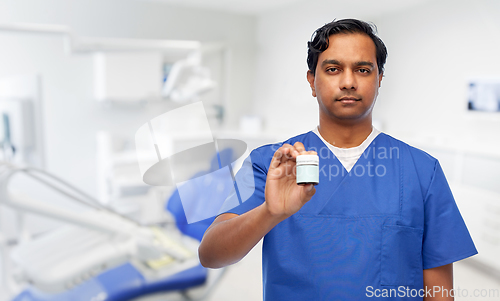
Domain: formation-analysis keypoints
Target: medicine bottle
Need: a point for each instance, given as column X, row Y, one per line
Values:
column 307, row 169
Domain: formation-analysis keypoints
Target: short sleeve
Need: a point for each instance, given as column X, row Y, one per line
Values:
column 446, row 238
column 250, row 185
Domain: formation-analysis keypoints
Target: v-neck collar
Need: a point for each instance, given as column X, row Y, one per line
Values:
column 363, row 147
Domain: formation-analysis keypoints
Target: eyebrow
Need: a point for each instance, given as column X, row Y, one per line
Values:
column 364, row 63
column 357, row 64
column 330, row 62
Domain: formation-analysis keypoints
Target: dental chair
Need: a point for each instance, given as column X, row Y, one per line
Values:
column 124, row 269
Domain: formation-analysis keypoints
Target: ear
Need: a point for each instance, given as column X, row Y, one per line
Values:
column 381, row 75
column 310, row 79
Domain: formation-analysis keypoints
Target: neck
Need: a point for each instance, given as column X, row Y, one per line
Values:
column 345, row 135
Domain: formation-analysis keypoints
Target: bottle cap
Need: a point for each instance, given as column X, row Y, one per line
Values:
column 307, row 160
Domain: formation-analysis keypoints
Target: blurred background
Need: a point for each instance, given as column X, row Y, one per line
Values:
column 79, row 78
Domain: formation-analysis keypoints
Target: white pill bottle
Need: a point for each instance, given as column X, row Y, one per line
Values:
column 307, row 169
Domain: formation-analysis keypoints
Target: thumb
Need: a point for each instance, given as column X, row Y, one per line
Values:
column 309, row 189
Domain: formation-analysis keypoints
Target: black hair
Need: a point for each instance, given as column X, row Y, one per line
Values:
column 320, row 38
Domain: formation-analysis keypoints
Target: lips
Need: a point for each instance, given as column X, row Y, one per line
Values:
column 348, row 99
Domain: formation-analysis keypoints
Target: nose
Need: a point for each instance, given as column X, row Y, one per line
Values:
column 348, row 81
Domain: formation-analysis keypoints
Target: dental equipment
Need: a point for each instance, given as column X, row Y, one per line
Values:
column 99, row 252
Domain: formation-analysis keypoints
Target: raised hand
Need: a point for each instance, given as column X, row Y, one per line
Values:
column 283, row 196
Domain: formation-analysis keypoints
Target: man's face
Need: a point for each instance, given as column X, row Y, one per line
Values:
column 347, row 80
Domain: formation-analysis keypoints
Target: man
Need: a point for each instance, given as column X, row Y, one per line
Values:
column 382, row 221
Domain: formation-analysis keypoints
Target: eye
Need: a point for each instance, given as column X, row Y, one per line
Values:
column 364, row 70
column 332, row 69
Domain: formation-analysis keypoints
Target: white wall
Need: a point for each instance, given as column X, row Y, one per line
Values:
column 72, row 117
column 433, row 50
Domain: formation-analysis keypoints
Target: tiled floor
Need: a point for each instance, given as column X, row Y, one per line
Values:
column 243, row 281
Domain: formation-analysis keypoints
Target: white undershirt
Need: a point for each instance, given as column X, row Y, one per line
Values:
column 349, row 156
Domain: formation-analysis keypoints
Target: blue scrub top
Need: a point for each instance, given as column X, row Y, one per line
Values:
column 365, row 233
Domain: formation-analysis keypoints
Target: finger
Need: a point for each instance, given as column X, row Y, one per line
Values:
column 276, row 160
column 310, row 153
column 299, row 147
column 281, row 155
column 289, row 152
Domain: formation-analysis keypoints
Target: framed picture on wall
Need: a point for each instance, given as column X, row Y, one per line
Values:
column 484, row 94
